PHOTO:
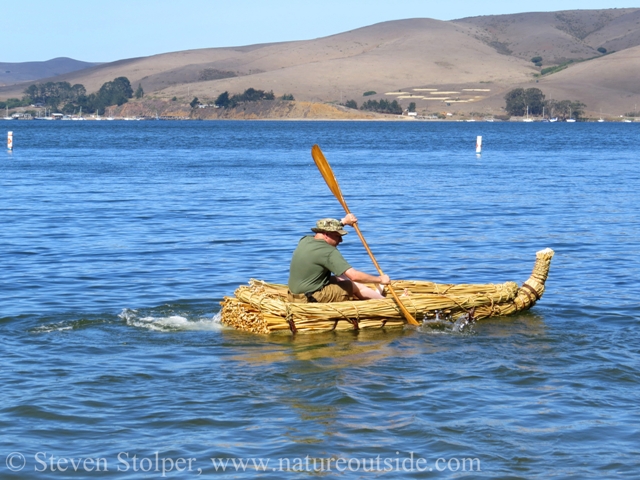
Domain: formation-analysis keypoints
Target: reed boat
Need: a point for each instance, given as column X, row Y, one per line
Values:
column 262, row 307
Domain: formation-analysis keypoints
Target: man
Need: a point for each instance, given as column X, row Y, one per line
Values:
column 317, row 257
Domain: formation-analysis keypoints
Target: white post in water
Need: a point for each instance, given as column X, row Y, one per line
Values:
column 10, row 141
column 479, row 144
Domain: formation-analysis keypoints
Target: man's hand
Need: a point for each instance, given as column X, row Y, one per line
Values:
column 350, row 219
column 361, row 277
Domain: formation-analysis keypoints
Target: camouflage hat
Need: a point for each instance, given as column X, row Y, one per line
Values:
column 329, row 225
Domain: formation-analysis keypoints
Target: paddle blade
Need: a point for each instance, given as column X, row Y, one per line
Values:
column 327, row 174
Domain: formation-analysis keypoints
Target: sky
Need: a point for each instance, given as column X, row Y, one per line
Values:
column 109, row 30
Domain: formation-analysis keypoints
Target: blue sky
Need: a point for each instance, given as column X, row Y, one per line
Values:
column 104, row 31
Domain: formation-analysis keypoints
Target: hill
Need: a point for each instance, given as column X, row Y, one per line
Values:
column 12, row 73
column 558, row 36
column 465, row 65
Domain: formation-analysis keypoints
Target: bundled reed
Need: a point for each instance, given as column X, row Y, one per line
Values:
column 262, row 307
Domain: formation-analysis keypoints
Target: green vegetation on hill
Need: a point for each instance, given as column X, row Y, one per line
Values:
column 518, row 99
column 55, row 94
column 213, row 74
column 15, row 103
column 562, row 66
column 566, row 108
column 139, row 92
column 383, row 106
column 249, row 95
column 555, row 68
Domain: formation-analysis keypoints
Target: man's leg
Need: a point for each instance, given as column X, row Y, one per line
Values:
column 362, row 291
column 336, row 291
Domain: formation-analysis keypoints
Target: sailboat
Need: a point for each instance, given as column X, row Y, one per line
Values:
column 527, row 119
column 570, row 119
column 600, row 120
column 6, row 115
column 79, row 116
column 544, row 119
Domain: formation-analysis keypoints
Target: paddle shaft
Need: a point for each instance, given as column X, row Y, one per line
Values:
column 332, row 183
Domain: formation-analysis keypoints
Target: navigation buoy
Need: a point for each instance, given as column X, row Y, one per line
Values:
column 479, row 144
column 10, row 141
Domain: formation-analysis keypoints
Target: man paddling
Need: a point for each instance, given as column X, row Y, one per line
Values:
column 316, row 258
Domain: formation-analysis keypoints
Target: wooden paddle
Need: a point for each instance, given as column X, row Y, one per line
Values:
column 330, row 178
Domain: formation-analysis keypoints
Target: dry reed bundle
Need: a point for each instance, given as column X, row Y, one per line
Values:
column 262, row 307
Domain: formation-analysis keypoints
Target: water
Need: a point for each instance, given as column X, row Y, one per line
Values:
column 120, row 239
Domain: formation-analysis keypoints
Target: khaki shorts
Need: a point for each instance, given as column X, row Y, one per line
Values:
column 337, row 291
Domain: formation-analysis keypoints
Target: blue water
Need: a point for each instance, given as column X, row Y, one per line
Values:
column 119, row 240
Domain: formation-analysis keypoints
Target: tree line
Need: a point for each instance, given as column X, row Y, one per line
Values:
column 249, row 95
column 520, row 101
column 382, row 106
column 66, row 98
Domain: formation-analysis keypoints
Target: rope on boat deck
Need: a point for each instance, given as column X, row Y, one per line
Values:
column 289, row 318
column 353, row 321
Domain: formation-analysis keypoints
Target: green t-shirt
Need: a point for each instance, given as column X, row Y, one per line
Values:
column 312, row 263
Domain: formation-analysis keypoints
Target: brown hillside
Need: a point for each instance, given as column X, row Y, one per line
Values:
column 558, row 36
column 461, row 65
column 382, row 57
column 277, row 109
column 608, row 84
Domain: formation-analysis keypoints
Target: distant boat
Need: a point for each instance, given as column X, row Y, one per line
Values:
column 554, row 119
column 544, row 119
column 527, row 119
column 570, row 119
column 79, row 117
column 6, row 115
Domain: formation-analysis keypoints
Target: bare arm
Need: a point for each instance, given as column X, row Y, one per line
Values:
column 361, row 277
